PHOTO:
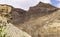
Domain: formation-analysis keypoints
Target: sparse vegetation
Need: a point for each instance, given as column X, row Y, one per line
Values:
column 2, row 29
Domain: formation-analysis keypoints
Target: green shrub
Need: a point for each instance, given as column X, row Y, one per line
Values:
column 2, row 33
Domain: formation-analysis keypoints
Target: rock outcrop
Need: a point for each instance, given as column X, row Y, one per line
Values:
column 11, row 30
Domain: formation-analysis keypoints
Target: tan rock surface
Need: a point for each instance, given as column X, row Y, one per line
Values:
column 52, row 29
column 14, row 31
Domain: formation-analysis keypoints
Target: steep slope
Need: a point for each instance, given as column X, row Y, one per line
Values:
column 36, row 17
column 40, row 10
column 11, row 30
column 33, row 26
column 33, row 20
column 20, row 16
column 51, row 29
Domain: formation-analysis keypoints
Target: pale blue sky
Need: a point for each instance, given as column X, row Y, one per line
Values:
column 25, row 4
column 55, row 3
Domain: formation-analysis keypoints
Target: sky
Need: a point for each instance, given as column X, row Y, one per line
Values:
column 25, row 4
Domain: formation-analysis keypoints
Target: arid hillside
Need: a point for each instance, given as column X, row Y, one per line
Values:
column 7, row 29
column 35, row 19
column 38, row 21
column 19, row 16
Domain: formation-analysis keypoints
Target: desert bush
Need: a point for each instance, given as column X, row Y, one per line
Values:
column 2, row 29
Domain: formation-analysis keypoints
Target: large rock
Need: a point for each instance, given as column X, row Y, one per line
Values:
column 11, row 30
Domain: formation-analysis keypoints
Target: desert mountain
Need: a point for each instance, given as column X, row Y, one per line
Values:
column 34, row 21
column 41, row 9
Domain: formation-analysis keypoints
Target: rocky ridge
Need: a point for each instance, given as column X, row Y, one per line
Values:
column 36, row 17
column 34, row 20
